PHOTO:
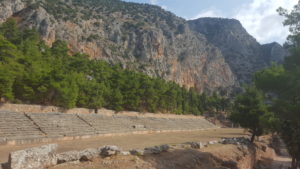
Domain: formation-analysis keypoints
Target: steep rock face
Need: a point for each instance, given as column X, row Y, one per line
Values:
column 8, row 8
column 140, row 37
column 273, row 52
column 208, row 53
column 241, row 51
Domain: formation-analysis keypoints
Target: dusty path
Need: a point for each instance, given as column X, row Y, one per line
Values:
column 134, row 141
column 269, row 159
column 282, row 161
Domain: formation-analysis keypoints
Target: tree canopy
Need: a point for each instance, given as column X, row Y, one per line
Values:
column 250, row 110
column 281, row 83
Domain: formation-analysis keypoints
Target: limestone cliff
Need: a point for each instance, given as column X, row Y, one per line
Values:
column 144, row 38
column 241, row 51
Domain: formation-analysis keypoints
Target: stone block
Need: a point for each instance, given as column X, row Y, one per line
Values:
column 33, row 158
column 107, row 151
column 89, row 154
column 67, row 157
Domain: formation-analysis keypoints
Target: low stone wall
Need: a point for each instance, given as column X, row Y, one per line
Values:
column 46, row 109
column 40, row 109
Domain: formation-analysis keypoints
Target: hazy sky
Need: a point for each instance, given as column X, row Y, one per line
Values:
column 259, row 17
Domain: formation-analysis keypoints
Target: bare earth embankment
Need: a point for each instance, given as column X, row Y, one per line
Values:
column 214, row 156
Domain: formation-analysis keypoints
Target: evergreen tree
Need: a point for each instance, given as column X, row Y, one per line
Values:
column 249, row 110
column 32, row 72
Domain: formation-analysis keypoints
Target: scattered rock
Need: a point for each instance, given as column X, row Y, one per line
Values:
column 107, row 151
column 136, row 152
column 89, row 154
column 164, row 147
column 157, row 149
column 197, row 145
column 85, row 155
column 182, row 146
column 33, row 158
column 152, row 150
column 236, row 141
column 67, row 157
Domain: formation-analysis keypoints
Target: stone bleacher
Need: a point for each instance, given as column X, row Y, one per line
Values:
column 61, row 124
column 18, row 126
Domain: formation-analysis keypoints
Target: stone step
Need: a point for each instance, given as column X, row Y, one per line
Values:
column 17, row 125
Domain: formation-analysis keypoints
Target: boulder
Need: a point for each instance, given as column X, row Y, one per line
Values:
column 236, row 141
column 109, row 151
column 89, row 154
column 67, row 157
column 33, row 158
column 157, row 149
column 164, row 147
column 136, row 152
column 84, row 155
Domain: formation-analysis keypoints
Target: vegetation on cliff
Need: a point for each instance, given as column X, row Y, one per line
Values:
column 32, row 72
column 141, row 37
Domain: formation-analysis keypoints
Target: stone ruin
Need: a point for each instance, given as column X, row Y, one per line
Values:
column 20, row 128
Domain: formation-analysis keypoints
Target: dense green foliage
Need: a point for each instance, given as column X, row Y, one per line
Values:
column 282, row 84
column 292, row 20
column 250, row 111
column 31, row 72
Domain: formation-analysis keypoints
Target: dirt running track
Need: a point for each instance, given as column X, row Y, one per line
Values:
column 127, row 142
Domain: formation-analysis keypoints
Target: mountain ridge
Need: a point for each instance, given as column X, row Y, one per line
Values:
column 137, row 36
column 241, row 51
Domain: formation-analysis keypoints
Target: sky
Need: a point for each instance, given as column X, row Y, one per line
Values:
column 259, row 17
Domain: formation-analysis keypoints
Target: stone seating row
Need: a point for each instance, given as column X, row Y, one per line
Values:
column 48, row 125
column 17, row 125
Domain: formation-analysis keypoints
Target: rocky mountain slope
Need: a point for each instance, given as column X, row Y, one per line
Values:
column 241, row 51
column 148, row 39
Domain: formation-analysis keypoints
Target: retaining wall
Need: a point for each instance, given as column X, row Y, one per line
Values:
column 46, row 109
